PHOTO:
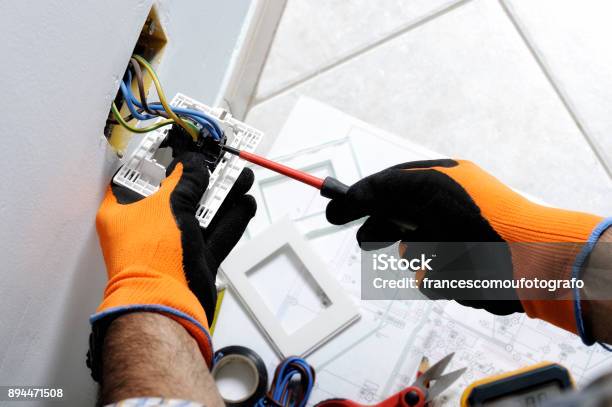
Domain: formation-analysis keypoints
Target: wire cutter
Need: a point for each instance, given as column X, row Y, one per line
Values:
column 425, row 388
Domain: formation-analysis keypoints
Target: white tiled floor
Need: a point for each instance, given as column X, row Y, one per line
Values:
column 573, row 41
column 316, row 34
column 460, row 79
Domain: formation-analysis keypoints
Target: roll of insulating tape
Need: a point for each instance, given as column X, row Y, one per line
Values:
column 240, row 375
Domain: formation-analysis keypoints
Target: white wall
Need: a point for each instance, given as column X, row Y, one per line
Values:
column 60, row 63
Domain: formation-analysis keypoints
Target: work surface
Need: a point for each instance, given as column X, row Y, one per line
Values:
column 379, row 354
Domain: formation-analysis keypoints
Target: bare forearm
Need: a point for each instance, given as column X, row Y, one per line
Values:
column 150, row 355
column 597, row 276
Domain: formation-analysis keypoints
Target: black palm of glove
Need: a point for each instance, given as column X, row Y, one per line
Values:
column 419, row 193
column 203, row 249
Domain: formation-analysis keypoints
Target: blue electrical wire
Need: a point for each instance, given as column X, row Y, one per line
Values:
column 286, row 372
column 197, row 114
column 204, row 121
column 129, row 102
column 199, row 117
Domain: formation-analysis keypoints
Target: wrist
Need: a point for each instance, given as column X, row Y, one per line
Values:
column 558, row 261
column 141, row 347
column 143, row 289
column 101, row 321
column 600, row 257
column 597, row 276
column 593, row 265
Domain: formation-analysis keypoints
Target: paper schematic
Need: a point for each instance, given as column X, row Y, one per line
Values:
column 378, row 355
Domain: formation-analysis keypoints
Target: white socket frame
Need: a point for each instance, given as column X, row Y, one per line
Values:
column 341, row 313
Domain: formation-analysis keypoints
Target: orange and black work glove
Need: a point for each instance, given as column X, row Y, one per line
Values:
column 158, row 258
column 456, row 201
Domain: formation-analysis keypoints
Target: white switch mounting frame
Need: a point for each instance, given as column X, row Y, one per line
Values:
column 337, row 316
column 143, row 174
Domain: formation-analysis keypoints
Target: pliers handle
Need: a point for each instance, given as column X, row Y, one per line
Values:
column 409, row 397
column 416, row 395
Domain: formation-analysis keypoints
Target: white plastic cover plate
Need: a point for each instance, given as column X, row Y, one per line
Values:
column 336, row 313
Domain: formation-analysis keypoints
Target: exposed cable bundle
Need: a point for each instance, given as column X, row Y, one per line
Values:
column 188, row 119
column 292, row 384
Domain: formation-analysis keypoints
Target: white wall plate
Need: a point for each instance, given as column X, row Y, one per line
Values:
column 260, row 274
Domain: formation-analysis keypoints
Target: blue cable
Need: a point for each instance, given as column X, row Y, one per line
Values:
column 129, row 102
column 200, row 117
column 576, row 268
column 285, row 374
column 158, row 107
column 203, row 122
column 197, row 114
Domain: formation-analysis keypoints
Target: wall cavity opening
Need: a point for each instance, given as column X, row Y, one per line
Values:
column 150, row 45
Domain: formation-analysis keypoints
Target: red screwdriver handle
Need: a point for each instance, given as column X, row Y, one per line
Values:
column 332, row 188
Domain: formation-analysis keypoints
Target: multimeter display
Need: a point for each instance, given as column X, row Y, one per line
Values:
column 534, row 397
column 532, row 386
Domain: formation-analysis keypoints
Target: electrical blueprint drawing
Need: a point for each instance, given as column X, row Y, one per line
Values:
column 379, row 354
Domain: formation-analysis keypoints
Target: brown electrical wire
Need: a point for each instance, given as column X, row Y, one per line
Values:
column 126, row 118
column 141, row 89
column 146, row 107
column 143, row 98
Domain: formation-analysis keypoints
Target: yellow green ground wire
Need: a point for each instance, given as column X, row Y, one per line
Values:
column 162, row 97
column 138, row 129
column 220, row 296
column 155, row 126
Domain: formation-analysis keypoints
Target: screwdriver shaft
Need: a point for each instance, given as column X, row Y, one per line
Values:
column 277, row 167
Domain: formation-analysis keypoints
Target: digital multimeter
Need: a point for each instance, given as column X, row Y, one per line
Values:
column 531, row 386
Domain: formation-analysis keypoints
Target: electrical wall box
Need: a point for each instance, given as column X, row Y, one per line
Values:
column 150, row 45
column 143, row 168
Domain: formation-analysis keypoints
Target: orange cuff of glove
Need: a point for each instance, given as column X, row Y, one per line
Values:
column 554, row 261
column 142, row 289
column 517, row 219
